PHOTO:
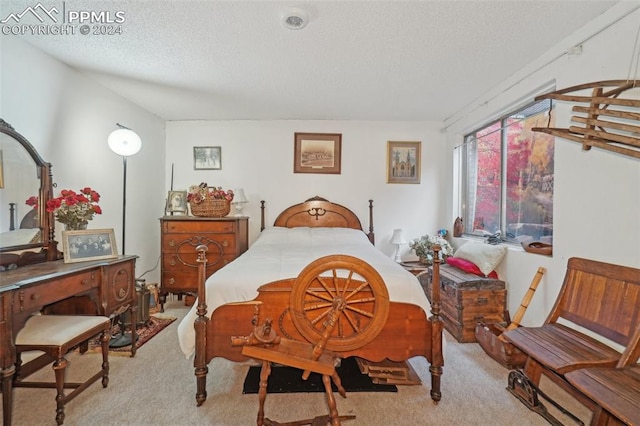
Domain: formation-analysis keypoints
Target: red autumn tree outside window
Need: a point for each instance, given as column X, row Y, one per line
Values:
column 508, row 174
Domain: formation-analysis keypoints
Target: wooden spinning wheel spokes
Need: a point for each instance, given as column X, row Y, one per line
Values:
column 341, row 296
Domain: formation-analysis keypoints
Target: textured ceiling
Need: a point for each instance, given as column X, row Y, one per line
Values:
column 382, row 60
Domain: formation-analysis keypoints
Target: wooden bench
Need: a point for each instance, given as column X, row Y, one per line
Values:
column 615, row 390
column 601, row 298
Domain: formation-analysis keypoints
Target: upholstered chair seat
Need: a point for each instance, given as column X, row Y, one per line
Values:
column 48, row 338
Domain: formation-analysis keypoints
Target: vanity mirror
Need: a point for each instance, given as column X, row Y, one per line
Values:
column 26, row 229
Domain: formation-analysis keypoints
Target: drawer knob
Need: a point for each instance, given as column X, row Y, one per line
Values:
column 173, row 261
column 122, row 293
column 172, row 243
column 482, row 300
column 225, row 243
column 172, row 281
column 35, row 296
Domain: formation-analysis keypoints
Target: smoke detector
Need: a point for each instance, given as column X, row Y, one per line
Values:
column 295, row 19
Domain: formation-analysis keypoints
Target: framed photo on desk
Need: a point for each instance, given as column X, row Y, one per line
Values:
column 89, row 244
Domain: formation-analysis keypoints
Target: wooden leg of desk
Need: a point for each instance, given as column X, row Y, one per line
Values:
column 7, row 394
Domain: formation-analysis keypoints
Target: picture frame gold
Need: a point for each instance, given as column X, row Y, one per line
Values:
column 403, row 162
column 317, row 153
column 89, row 244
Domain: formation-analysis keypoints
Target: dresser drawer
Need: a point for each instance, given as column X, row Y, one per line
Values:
column 203, row 226
column 179, row 282
column 43, row 294
column 183, row 243
column 187, row 261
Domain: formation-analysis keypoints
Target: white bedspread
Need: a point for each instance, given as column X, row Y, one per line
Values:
column 281, row 253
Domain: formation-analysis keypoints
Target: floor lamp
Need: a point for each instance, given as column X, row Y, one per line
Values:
column 124, row 142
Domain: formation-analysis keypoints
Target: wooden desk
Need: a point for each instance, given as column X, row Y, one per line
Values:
column 106, row 287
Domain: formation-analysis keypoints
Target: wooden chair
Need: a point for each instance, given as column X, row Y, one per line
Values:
column 600, row 297
column 54, row 336
column 318, row 304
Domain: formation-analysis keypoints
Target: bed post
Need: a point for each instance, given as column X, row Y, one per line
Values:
column 261, row 215
column 200, row 325
column 437, row 360
column 371, row 235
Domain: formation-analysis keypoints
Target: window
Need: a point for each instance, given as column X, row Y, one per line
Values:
column 507, row 177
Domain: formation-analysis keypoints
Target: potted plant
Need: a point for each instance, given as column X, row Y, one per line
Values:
column 423, row 247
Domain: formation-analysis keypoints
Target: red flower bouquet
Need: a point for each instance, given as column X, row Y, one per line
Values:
column 73, row 209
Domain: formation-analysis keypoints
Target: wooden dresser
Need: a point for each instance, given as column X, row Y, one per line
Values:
column 466, row 300
column 226, row 239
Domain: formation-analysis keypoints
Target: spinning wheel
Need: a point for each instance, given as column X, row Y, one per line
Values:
column 346, row 288
column 338, row 302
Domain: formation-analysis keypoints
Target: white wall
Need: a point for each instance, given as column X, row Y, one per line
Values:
column 597, row 193
column 67, row 117
column 258, row 156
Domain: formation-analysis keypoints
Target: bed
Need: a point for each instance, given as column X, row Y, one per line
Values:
column 258, row 285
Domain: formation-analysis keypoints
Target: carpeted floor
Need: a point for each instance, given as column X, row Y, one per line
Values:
column 158, row 387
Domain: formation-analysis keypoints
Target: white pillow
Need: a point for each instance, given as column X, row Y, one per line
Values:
column 486, row 256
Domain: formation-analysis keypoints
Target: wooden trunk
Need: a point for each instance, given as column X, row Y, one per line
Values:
column 467, row 300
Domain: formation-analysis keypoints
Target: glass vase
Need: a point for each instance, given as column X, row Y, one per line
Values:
column 76, row 226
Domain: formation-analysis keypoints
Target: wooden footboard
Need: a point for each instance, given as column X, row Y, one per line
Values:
column 407, row 333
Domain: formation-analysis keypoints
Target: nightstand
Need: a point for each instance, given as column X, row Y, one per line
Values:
column 415, row 267
column 420, row 270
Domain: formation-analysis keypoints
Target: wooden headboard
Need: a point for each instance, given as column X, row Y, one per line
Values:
column 319, row 212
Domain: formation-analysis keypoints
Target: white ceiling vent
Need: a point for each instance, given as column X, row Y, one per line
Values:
column 295, row 19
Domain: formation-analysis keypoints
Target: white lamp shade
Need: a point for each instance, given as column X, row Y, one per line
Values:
column 239, row 197
column 124, row 142
column 398, row 237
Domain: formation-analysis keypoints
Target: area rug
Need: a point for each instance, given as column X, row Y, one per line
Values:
column 154, row 326
column 289, row 380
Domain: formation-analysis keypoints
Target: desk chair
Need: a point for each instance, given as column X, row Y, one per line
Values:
column 55, row 336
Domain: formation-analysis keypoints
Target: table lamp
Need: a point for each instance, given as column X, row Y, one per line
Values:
column 398, row 239
column 239, row 200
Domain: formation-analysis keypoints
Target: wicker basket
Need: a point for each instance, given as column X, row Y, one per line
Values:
column 210, row 207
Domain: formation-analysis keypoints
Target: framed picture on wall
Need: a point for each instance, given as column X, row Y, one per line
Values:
column 207, row 158
column 317, row 153
column 88, row 244
column 403, row 162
